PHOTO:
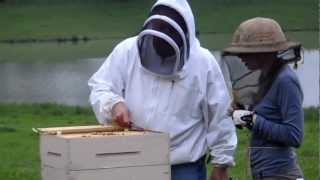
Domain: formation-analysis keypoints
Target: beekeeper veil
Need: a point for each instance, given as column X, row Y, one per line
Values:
column 163, row 43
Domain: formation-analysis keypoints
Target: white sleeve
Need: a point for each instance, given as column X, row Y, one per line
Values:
column 221, row 133
column 107, row 85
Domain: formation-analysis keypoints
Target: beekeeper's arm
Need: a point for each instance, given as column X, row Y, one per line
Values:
column 221, row 135
column 107, row 84
column 290, row 131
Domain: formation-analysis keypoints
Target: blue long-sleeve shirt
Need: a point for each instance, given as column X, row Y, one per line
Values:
column 278, row 129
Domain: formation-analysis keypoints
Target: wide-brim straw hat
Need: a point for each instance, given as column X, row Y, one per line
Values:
column 259, row 35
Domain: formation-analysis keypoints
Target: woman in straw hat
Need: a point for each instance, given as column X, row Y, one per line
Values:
column 275, row 114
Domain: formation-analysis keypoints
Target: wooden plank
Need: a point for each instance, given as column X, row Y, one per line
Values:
column 78, row 129
column 103, row 134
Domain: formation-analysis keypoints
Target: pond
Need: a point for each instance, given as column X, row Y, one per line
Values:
column 63, row 78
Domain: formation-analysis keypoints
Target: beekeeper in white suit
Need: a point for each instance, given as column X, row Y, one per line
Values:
column 164, row 80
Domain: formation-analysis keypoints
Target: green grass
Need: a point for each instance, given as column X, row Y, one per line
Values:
column 65, row 20
column 227, row 15
column 58, row 52
column 112, row 18
column 19, row 146
column 55, row 52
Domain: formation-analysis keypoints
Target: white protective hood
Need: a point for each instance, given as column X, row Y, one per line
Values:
column 170, row 69
column 184, row 9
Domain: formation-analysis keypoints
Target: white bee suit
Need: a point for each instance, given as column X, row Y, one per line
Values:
column 192, row 107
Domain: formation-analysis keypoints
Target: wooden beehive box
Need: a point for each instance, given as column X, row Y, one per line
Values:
column 103, row 152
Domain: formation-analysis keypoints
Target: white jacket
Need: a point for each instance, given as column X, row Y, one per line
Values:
column 192, row 108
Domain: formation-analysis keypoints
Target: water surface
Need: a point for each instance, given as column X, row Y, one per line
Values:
column 58, row 73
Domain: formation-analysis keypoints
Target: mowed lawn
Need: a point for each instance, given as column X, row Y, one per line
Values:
column 107, row 22
column 19, row 146
column 122, row 18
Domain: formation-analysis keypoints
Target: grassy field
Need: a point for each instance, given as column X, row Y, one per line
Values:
column 110, row 21
column 58, row 52
column 121, row 18
column 19, row 148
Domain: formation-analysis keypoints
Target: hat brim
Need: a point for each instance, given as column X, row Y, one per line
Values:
column 267, row 48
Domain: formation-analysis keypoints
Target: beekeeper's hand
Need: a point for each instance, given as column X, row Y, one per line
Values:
column 219, row 173
column 121, row 115
column 243, row 118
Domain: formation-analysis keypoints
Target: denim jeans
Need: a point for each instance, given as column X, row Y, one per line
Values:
column 189, row 171
column 291, row 174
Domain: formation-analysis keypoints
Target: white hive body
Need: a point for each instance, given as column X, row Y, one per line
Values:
column 103, row 152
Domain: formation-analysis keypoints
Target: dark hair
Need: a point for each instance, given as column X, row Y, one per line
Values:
column 266, row 81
